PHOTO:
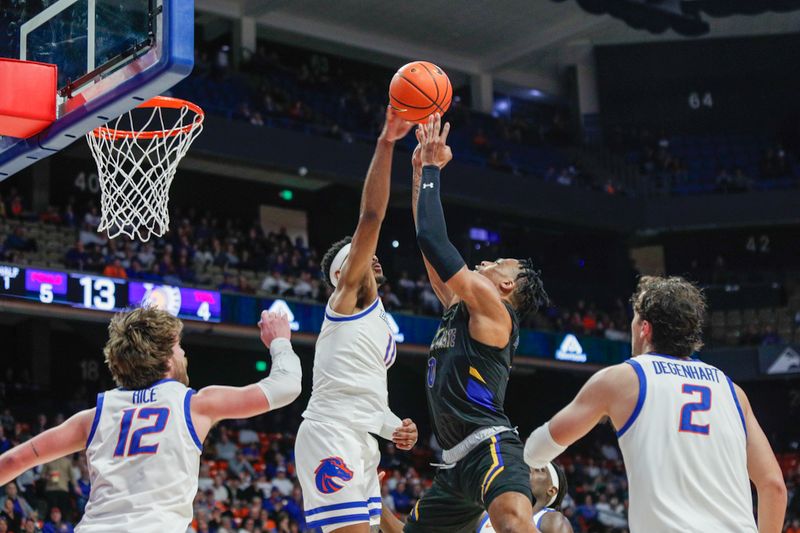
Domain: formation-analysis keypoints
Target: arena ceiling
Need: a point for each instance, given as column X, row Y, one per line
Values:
column 518, row 42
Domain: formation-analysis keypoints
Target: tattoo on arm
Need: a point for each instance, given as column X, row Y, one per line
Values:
column 36, row 453
column 415, row 193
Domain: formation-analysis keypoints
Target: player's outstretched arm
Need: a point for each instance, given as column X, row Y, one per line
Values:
column 764, row 471
column 490, row 323
column 64, row 439
column 442, row 291
column 374, row 199
column 280, row 388
column 578, row 418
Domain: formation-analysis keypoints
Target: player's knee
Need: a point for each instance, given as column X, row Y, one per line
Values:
column 511, row 513
column 512, row 524
column 511, row 521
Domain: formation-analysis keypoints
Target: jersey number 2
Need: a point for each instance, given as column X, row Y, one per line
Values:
column 160, row 413
column 690, row 408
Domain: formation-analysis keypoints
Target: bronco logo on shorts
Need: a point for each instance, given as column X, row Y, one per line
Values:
column 328, row 469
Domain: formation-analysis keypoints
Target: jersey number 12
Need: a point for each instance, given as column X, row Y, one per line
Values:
column 136, row 447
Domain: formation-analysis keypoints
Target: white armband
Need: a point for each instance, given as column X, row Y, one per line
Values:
column 283, row 384
column 540, row 448
column 390, row 423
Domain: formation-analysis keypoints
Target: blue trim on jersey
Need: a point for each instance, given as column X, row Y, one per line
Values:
column 97, row 411
column 539, row 522
column 335, row 507
column 159, row 382
column 642, row 395
column 374, row 512
column 376, row 499
column 352, row 317
column 738, row 405
column 482, row 522
column 690, row 360
column 338, row 520
column 187, row 413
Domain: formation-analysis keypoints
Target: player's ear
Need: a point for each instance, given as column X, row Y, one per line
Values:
column 507, row 286
column 647, row 330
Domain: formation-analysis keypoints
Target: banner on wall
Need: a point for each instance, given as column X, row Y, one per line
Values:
column 776, row 360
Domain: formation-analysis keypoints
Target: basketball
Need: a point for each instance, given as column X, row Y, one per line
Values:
column 418, row 90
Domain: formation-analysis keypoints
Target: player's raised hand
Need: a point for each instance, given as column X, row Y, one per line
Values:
column 405, row 437
column 273, row 326
column 433, row 139
column 395, row 128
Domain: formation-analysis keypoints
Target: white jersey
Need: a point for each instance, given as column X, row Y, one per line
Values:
column 485, row 525
column 684, row 448
column 144, row 459
column 353, row 353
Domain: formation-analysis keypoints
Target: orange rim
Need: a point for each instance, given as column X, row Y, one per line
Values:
column 157, row 101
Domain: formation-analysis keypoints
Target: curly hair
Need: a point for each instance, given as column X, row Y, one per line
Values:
column 139, row 346
column 676, row 309
column 529, row 295
column 327, row 259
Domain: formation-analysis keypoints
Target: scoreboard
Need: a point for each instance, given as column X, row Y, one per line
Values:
column 89, row 291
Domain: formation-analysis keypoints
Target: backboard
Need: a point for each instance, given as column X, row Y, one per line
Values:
column 111, row 55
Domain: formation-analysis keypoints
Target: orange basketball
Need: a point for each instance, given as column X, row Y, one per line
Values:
column 418, row 90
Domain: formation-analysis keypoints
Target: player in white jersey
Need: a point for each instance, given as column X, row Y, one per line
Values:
column 337, row 458
column 688, row 435
column 548, row 486
column 143, row 440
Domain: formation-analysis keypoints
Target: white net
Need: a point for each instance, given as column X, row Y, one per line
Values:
column 137, row 156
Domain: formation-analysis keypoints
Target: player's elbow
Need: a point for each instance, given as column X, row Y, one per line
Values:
column 9, row 463
column 370, row 217
column 773, row 487
column 294, row 387
column 425, row 240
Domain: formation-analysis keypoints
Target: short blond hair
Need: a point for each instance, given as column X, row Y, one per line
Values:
column 139, row 346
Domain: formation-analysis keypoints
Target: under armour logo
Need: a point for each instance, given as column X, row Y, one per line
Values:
column 427, row 185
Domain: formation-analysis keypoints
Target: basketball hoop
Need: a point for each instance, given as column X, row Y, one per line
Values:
column 137, row 156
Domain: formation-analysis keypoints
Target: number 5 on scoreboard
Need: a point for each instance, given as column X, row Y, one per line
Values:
column 688, row 410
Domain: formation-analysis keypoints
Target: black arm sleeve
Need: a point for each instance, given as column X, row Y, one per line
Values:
column 431, row 228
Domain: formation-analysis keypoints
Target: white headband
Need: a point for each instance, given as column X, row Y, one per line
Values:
column 337, row 263
column 554, row 478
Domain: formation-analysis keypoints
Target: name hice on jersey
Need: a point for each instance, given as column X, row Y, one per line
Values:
column 144, row 457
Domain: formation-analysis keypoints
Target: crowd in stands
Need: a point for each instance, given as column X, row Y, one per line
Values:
column 333, row 97
column 681, row 164
column 204, row 250
column 339, row 99
column 248, row 483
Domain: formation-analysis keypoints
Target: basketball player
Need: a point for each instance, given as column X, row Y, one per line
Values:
column 688, row 435
column 548, row 485
column 143, row 440
column 337, row 458
column 469, row 366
